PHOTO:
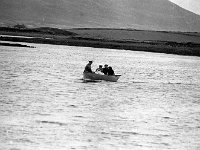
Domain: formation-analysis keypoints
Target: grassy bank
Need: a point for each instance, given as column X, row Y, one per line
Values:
column 110, row 38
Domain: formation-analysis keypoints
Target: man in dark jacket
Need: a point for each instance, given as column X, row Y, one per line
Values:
column 110, row 71
column 88, row 67
column 105, row 69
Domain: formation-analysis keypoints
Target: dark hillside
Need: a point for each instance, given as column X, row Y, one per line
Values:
column 137, row 14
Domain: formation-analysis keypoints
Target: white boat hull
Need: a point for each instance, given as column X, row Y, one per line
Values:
column 94, row 76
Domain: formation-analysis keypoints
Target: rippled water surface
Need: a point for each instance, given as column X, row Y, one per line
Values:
column 45, row 105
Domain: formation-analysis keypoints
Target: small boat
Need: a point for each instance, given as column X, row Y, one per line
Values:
column 95, row 76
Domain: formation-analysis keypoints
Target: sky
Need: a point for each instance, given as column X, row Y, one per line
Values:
column 191, row 5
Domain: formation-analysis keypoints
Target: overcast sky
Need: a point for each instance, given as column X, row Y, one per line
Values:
column 191, row 5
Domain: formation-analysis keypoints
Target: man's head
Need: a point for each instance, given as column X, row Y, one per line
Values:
column 90, row 62
column 106, row 66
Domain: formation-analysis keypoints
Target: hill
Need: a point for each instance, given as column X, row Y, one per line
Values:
column 137, row 14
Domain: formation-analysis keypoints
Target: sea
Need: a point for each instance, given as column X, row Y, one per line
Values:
column 45, row 104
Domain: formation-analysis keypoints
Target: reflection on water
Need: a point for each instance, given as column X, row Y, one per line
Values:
column 44, row 104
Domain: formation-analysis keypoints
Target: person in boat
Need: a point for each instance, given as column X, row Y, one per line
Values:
column 110, row 71
column 88, row 68
column 100, row 69
column 105, row 69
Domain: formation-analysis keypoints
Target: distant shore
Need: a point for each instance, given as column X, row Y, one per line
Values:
column 98, row 38
column 15, row 45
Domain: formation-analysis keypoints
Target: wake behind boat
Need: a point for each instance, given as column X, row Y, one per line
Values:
column 95, row 76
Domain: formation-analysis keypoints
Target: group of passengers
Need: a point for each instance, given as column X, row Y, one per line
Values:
column 107, row 70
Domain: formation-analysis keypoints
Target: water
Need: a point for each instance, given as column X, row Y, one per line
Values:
column 26, row 37
column 44, row 104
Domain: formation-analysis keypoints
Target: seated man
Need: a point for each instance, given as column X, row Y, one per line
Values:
column 110, row 71
column 88, row 67
column 105, row 69
column 100, row 69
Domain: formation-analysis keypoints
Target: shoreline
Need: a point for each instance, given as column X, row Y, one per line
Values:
column 71, row 38
column 15, row 45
